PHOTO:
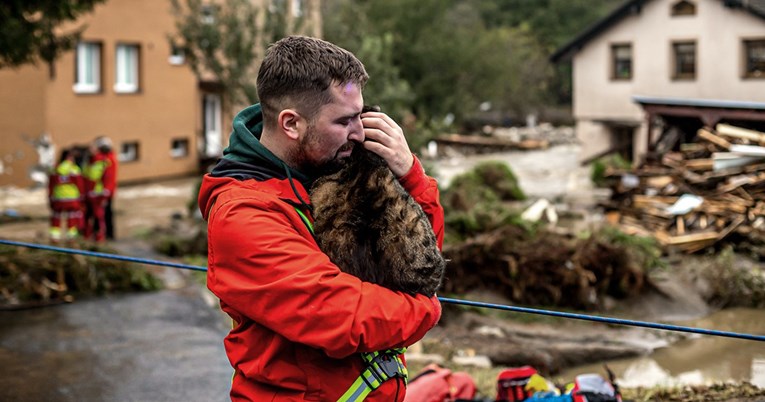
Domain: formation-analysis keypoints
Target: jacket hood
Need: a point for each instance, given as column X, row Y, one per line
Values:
column 246, row 158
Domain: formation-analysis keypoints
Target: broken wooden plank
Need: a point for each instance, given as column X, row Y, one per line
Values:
column 669, row 240
column 739, row 132
column 680, row 225
column 736, row 181
column 731, row 227
column 699, row 164
column 645, row 201
column 714, row 139
column 659, row 181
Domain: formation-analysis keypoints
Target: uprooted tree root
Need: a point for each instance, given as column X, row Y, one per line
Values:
column 543, row 268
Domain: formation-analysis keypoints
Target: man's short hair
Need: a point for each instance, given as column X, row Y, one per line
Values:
column 297, row 72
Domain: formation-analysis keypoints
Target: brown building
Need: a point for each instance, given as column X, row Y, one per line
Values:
column 125, row 81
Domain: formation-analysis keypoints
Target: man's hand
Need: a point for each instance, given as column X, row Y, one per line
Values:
column 385, row 138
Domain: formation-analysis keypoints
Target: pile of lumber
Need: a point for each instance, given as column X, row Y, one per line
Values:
column 706, row 191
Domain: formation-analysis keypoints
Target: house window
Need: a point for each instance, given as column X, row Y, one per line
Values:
column 685, row 60
column 621, row 56
column 754, row 53
column 208, row 14
column 213, row 129
column 87, row 77
column 128, row 152
column 683, row 7
column 179, row 147
column 126, row 74
column 177, row 55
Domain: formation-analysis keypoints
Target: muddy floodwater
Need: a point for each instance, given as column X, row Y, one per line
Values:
column 700, row 359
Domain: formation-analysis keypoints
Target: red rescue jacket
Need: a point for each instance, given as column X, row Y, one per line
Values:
column 299, row 322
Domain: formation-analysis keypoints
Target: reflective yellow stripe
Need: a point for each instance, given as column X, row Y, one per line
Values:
column 65, row 190
column 305, row 219
column 373, row 375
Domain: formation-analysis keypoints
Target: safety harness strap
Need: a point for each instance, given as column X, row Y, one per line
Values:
column 379, row 367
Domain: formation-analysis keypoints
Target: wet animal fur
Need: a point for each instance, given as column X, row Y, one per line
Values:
column 372, row 228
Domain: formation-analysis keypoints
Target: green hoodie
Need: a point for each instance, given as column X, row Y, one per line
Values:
column 245, row 157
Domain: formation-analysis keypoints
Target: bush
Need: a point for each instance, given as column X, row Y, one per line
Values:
column 475, row 202
column 602, row 166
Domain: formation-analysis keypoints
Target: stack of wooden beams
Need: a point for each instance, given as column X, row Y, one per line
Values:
column 693, row 198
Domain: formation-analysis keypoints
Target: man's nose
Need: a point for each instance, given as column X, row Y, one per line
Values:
column 357, row 130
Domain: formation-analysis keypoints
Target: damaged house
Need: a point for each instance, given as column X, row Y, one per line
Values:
column 657, row 68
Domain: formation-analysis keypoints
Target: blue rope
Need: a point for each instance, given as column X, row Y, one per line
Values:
column 608, row 320
column 585, row 317
column 102, row 255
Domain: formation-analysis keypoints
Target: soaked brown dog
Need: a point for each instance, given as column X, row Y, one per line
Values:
column 372, row 228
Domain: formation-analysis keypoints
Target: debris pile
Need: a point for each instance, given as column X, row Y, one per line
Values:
column 693, row 195
column 31, row 278
column 501, row 139
column 543, row 268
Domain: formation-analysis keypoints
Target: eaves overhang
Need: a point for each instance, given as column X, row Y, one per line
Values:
column 632, row 7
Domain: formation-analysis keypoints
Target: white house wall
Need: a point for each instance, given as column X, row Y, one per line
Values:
column 718, row 32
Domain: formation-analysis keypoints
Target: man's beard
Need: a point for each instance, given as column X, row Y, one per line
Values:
column 320, row 168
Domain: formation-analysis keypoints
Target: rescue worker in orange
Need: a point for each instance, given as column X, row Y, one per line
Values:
column 104, row 144
column 66, row 190
column 303, row 330
column 99, row 183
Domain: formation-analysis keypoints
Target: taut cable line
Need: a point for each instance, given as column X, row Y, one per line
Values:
column 528, row 310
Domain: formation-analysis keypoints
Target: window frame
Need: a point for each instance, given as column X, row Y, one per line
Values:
column 126, row 87
column 676, row 62
column 180, row 152
column 82, row 56
column 683, row 8
column 126, row 155
column 177, row 55
column 747, row 72
column 615, row 76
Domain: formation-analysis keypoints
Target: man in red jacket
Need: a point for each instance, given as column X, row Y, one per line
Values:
column 303, row 329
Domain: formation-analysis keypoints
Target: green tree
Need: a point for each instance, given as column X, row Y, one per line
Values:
column 221, row 41
column 385, row 88
column 458, row 54
column 29, row 30
column 553, row 23
column 448, row 55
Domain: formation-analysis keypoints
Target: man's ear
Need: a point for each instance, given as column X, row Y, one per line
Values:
column 291, row 123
